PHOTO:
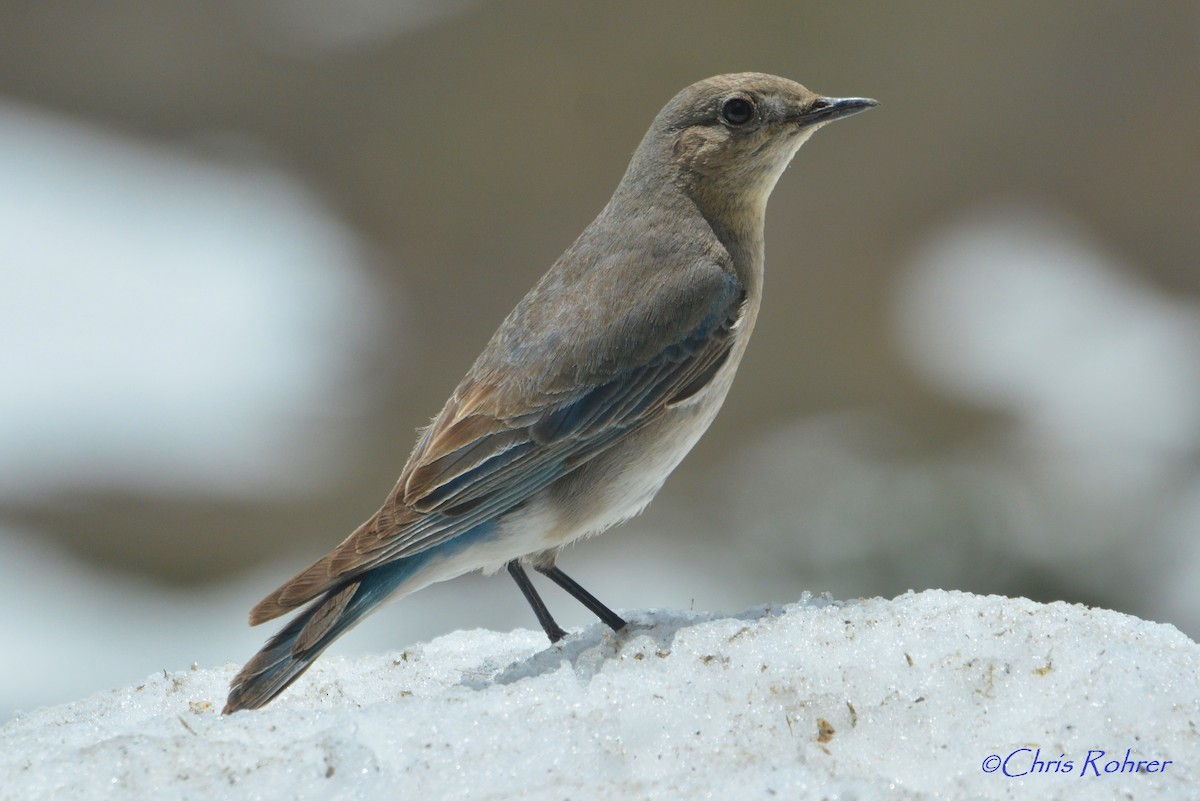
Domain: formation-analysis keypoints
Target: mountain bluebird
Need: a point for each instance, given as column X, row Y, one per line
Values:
column 593, row 389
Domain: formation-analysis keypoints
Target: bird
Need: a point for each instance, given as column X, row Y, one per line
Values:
column 592, row 390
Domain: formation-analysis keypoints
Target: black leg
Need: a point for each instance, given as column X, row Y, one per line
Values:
column 610, row 618
column 552, row 629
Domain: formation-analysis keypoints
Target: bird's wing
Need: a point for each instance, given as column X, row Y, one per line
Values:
column 549, row 393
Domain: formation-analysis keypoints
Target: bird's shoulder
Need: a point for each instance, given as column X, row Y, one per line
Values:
column 603, row 307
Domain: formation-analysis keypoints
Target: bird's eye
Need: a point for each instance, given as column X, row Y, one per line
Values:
column 737, row 111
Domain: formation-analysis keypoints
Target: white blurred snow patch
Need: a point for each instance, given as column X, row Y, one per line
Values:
column 874, row 699
column 166, row 320
column 1014, row 308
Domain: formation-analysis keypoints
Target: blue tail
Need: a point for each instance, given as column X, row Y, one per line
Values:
column 294, row 648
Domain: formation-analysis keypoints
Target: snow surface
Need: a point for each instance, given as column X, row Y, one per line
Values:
column 865, row 699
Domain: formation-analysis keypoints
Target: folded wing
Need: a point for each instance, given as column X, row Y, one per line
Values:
column 527, row 415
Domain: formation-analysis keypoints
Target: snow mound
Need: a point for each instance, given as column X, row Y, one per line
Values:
column 930, row 695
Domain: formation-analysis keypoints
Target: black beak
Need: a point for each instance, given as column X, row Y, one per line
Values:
column 827, row 109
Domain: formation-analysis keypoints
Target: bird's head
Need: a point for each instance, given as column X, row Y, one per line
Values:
column 726, row 140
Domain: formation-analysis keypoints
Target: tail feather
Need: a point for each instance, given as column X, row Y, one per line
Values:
column 326, row 574
column 298, row 644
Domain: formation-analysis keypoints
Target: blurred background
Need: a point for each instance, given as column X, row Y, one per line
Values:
column 247, row 248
